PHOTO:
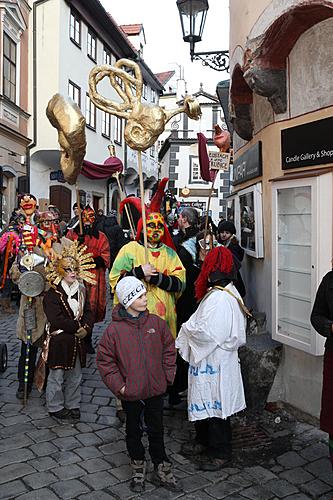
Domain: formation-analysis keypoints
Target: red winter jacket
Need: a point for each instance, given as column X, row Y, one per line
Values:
column 138, row 353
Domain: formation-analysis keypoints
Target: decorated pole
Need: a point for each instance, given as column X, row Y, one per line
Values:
column 144, row 123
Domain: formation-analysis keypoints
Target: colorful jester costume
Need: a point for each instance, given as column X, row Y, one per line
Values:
column 167, row 284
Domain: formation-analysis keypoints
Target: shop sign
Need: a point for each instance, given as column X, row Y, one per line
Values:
column 57, row 175
column 248, row 165
column 308, row 144
column 219, row 161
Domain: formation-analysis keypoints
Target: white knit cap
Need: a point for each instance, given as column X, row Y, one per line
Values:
column 129, row 289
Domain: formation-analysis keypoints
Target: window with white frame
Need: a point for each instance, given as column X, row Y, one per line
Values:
column 74, row 92
column 9, row 68
column 90, row 113
column 153, row 95
column 145, row 91
column 195, row 170
column 91, row 45
column 75, row 28
column 152, row 150
column 106, row 56
column 106, row 124
column 118, row 130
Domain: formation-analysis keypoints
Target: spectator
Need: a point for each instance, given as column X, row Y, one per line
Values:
column 227, row 237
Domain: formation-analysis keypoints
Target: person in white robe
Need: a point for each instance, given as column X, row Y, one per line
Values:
column 209, row 342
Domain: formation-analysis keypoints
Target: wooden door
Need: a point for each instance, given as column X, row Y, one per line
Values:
column 61, row 197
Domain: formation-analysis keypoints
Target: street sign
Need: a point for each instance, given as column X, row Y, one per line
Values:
column 219, row 160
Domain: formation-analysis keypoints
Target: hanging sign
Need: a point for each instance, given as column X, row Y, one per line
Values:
column 218, row 160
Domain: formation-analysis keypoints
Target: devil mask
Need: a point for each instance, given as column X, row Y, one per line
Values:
column 155, row 227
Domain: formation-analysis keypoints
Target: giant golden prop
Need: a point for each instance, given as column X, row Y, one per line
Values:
column 144, row 122
column 67, row 118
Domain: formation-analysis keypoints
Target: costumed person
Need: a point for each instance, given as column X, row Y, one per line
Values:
column 164, row 274
column 136, row 359
column 322, row 322
column 75, row 220
column 186, row 248
column 69, row 320
column 47, row 244
column 227, row 237
column 209, row 342
column 98, row 245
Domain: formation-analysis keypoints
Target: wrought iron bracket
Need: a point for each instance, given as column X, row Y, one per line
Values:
column 218, row 60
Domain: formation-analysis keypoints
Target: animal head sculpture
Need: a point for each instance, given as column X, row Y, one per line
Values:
column 144, row 122
column 67, row 118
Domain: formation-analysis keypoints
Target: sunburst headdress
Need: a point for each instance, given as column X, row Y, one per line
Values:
column 75, row 258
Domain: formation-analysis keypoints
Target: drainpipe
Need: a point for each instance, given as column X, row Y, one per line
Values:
column 34, row 89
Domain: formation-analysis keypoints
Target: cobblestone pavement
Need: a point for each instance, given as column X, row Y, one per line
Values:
column 40, row 459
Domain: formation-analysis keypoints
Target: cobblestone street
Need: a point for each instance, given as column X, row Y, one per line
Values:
column 40, row 459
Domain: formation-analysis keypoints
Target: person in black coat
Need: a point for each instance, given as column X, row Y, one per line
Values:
column 322, row 322
column 115, row 235
column 227, row 237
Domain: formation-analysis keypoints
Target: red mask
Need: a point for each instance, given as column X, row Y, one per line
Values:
column 88, row 216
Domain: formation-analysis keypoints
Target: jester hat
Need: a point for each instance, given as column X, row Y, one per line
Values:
column 154, row 206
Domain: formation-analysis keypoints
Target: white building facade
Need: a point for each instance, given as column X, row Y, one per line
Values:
column 68, row 39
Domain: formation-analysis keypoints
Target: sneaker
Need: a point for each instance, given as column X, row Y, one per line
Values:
column 62, row 414
column 162, row 477
column 214, row 464
column 138, row 476
column 193, row 448
column 75, row 413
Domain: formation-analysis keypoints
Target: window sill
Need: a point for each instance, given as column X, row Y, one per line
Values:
column 94, row 60
column 78, row 45
column 106, row 136
column 90, row 127
column 117, row 142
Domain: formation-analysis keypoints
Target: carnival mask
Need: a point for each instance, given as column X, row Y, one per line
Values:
column 28, row 203
column 66, row 265
column 155, row 227
column 88, row 216
column 49, row 222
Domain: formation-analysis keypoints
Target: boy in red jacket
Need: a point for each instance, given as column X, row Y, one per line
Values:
column 137, row 361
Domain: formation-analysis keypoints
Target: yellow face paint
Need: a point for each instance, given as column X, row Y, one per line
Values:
column 155, row 227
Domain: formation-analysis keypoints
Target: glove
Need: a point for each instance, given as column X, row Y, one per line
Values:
column 99, row 262
column 81, row 333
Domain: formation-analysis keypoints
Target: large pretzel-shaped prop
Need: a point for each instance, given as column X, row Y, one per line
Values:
column 144, row 122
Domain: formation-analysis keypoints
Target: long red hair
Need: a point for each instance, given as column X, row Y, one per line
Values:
column 218, row 259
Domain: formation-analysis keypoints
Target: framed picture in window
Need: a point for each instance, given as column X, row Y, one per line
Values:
column 250, row 220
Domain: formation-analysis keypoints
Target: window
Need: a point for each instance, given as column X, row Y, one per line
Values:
column 301, row 256
column 91, row 45
column 75, row 28
column 74, row 92
column 106, row 124
column 195, row 169
column 118, row 130
column 90, row 113
column 145, row 91
column 153, row 95
column 9, row 68
column 152, row 150
column 106, row 56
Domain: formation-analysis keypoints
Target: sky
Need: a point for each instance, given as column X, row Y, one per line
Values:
column 165, row 49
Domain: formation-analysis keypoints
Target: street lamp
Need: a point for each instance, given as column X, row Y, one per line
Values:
column 193, row 17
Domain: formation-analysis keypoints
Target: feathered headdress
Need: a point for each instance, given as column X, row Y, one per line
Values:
column 75, row 257
column 154, row 206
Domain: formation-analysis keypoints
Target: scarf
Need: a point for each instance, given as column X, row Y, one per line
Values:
column 71, row 291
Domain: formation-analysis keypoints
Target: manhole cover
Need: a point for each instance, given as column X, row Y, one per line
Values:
column 249, row 436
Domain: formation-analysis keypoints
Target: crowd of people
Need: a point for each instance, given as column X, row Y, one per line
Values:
column 178, row 320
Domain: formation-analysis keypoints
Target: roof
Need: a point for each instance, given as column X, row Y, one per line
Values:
column 165, row 76
column 131, row 29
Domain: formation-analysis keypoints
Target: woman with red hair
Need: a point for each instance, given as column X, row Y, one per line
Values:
column 209, row 342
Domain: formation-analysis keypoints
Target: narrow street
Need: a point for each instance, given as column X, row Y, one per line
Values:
column 274, row 455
